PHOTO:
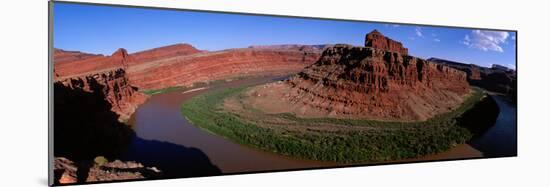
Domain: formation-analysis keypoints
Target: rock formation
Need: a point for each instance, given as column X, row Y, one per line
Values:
column 206, row 66
column 310, row 48
column 473, row 71
column 90, row 65
column 379, row 81
column 62, row 56
column 114, row 85
column 164, row 53
column 175, row 65
column 105, row 75
column 501, row 80
column 182, row 64
column 376, row 40
column 66, row 171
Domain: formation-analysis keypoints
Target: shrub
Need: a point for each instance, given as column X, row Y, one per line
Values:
column 100, row 160
column 381, row 142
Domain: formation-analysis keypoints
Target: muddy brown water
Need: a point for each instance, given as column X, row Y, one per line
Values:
column 160, row 119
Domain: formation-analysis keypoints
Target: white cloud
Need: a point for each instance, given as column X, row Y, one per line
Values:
column 395, row 25
column 486, row 40
column 513, row 37
column 511, row 66
column 418, row 32
column 466, row 40
column 437, row 40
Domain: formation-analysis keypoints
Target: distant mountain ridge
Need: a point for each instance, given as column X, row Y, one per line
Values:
column 318, row 47
column 61, row 55
column 496, row 78
column 120, row 75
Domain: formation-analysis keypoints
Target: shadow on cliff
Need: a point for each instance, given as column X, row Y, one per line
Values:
column 85, row 127
column 500, row 82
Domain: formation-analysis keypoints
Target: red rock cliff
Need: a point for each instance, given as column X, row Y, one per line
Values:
column 376, row 40
column 104, row 75
column 175, row 65
column 376, row 83
column 182, row 64
column 164, row 53
column 113, row 86
column 184, row 70
column 62, row 56
column 91, row 65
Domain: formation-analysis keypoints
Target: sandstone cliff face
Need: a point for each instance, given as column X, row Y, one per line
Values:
column 371, row 70
column 113, row 85
column 91, row 65
column 67, row 171
column 188, row 69
column 473, row 72
column 176, row 65
column 492, row 79
column 104, row 75
column 62, row 56
column 182, row 64
column 164, row 52
column 376, row 40
column 366, row 82
column 308, row 48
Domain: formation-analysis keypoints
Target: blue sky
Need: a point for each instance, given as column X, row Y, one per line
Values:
column 102, row 30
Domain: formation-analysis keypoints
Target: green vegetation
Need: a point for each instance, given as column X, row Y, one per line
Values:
column 194, row 85
column 100, row 160
column 367, row 141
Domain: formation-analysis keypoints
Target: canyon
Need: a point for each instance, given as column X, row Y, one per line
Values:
column 379, row 81
column 356, row 104
column 104, row 76
column 95, row 95
column 357, row 93
column 502, row 81
column 113, row 85
column 207, row 66
column 124, row 75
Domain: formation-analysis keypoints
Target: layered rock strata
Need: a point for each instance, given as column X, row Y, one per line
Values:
column 202, row 67
column 67, row 171
column 105, row 76
column 122, row 74
column 62, row 56
column 113, row 85
column 311, row 48
column 376, row 40
column 164, row 52
column 492, row 79
column 365, row 82
column 182, row 64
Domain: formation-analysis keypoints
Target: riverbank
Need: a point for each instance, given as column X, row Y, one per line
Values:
column 160, row 119
column 339, row 140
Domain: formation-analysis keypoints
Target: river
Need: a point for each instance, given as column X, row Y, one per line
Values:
column 160, row 120
column 500, row 140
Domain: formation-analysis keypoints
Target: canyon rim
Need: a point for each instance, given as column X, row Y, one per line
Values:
column 150, row 96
